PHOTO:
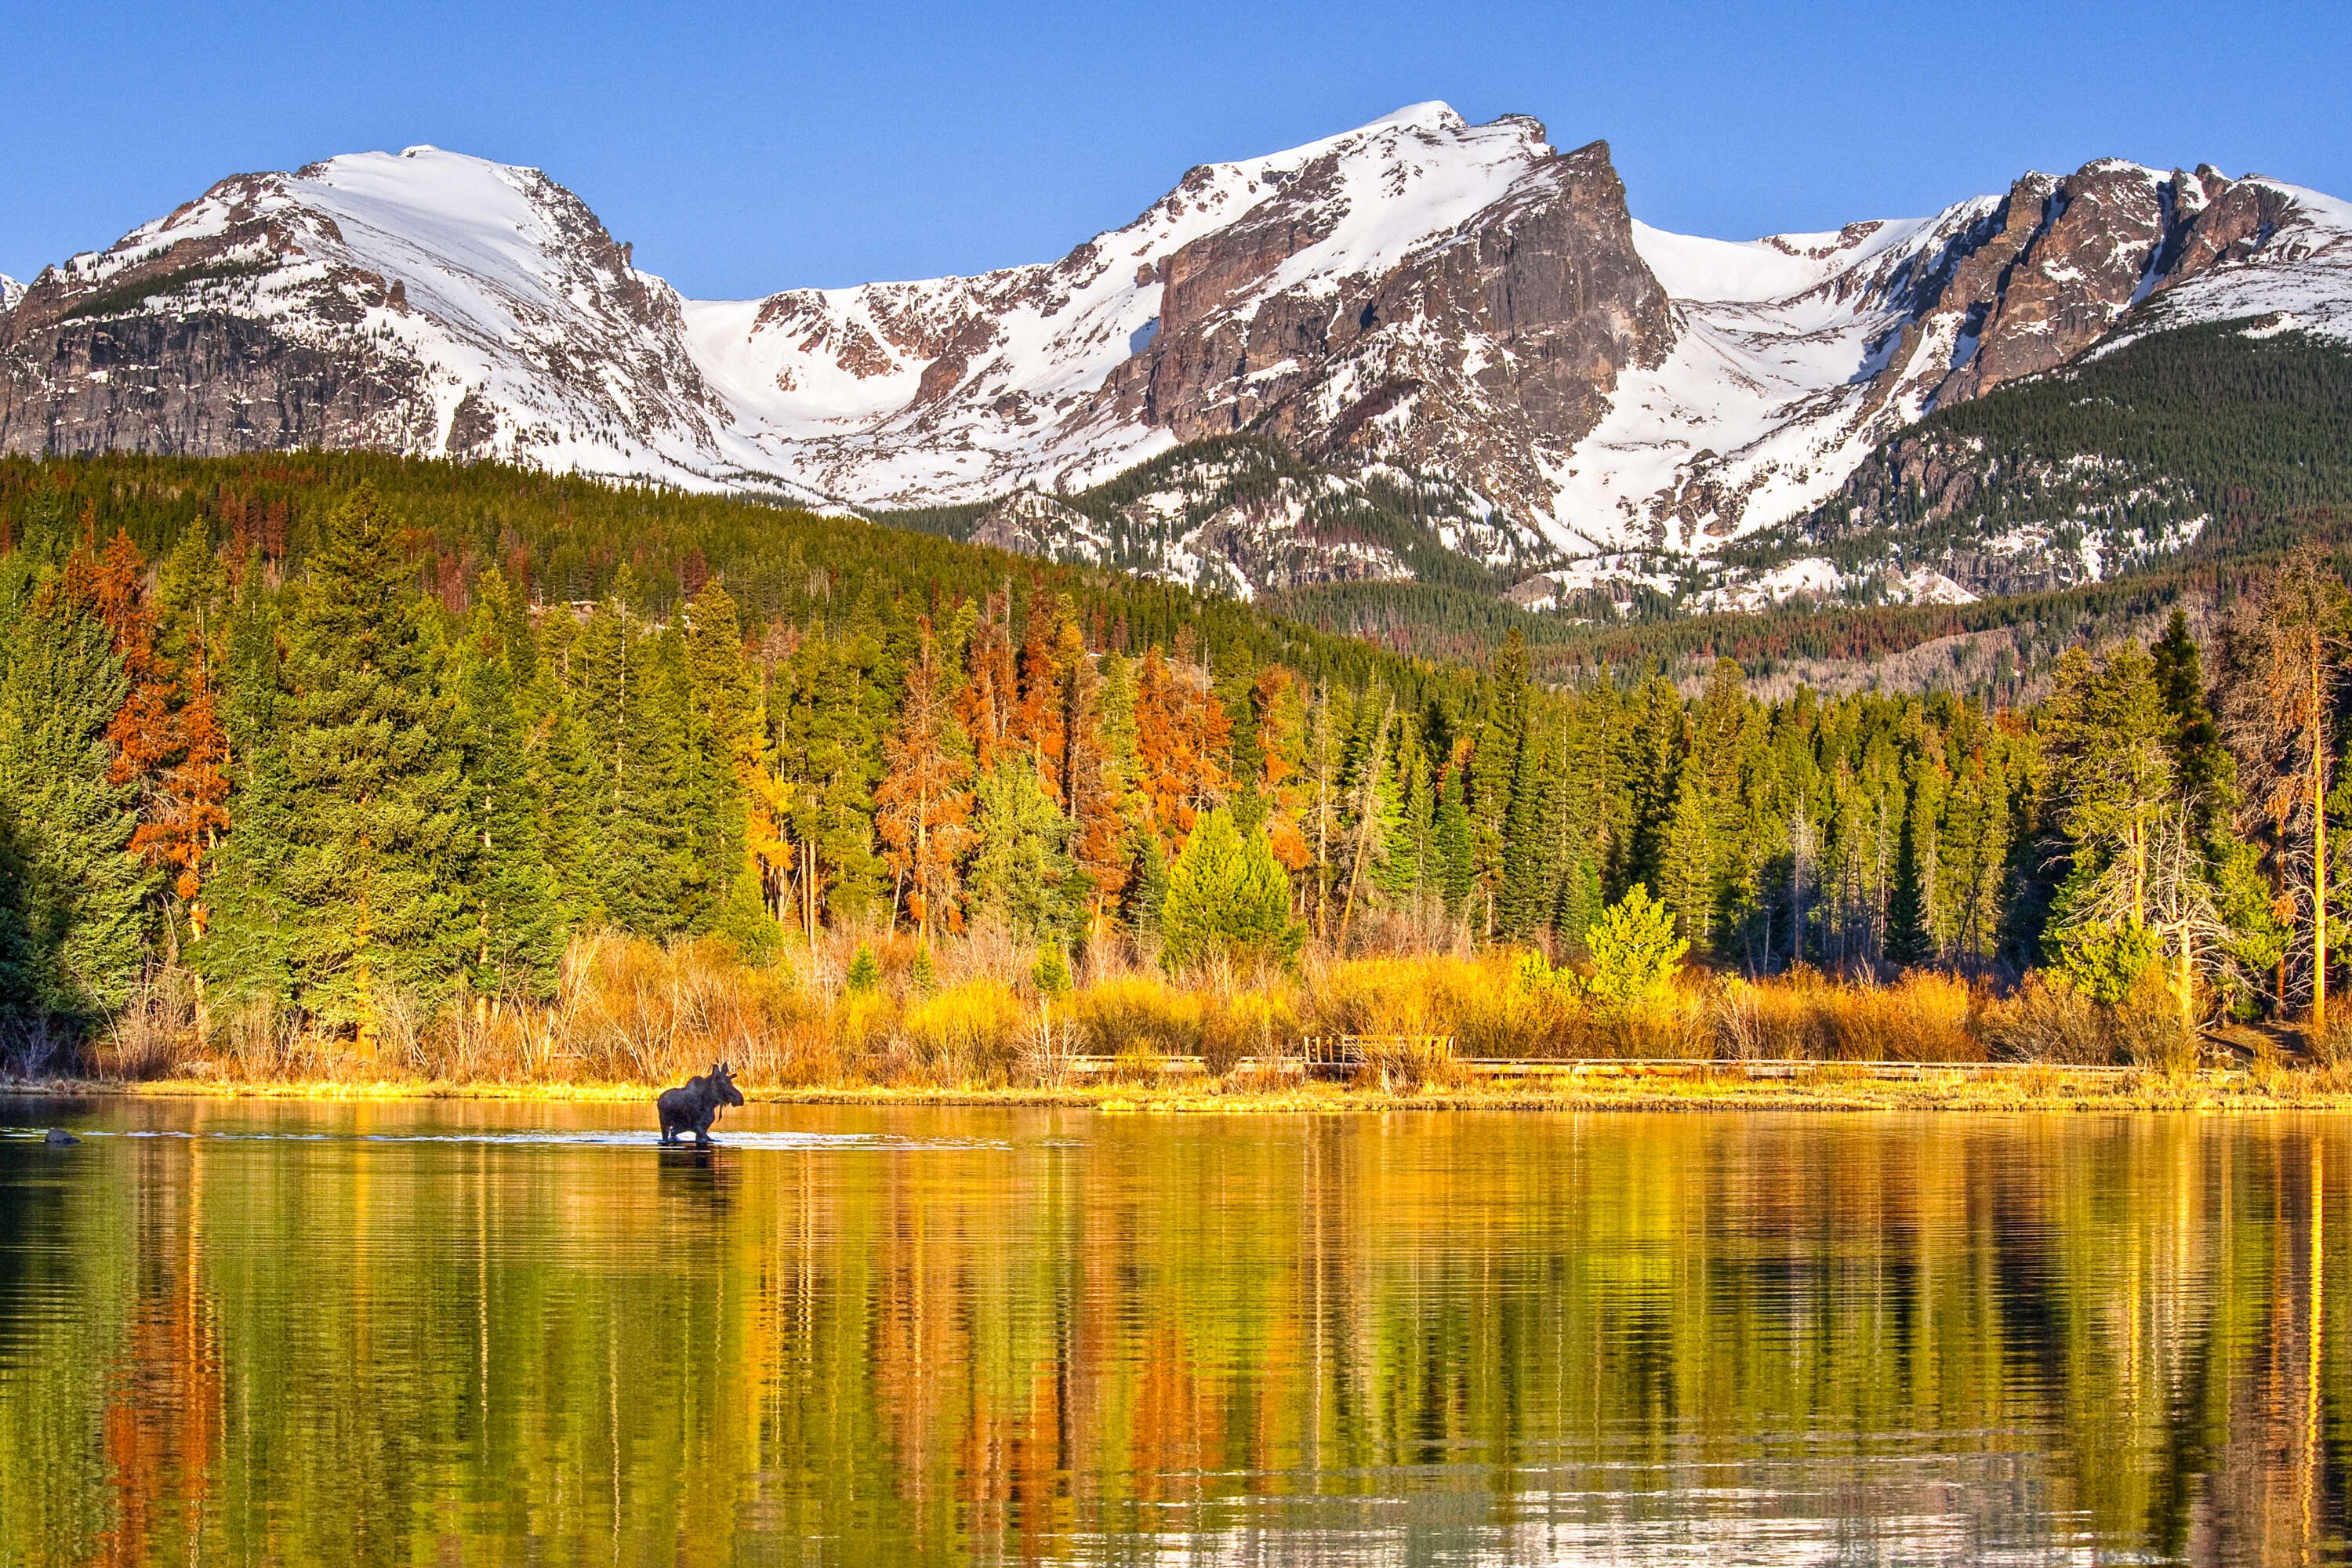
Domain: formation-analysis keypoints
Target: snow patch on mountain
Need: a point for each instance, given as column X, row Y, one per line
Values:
column 1773, row 392
column 10, row 292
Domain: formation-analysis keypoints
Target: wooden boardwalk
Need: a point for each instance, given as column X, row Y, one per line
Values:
column 1347, row 1056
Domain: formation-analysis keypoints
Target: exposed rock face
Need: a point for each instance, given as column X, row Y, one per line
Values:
column 1477, row 353
column 1028, row 523
column 2070, row 256
column 1423, row 291
column 1800, row 354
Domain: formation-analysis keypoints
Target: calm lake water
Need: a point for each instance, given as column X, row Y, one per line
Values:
column 239, row 1333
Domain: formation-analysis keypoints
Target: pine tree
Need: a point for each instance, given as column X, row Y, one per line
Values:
column 1493, row 766
column 1021, row 872
column 1686, row 865
column 2282, row 666
column 1531, row 864
column 80, row 901
column 991, row 689
column 2201, row 762
column 518, row 925
column 1651, row 770
column 1406, row 872
column 1226, row 894
column 351, row 882
column 1094, row 785
column 1453, row 852
column 633, row 733
column 1038, row 722
column 2106, row 737
column 1371, row 805
column 190, row 811
column 827, row 757
column 1910, row 936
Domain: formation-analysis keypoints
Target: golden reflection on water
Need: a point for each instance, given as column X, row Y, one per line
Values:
column 464, row 1333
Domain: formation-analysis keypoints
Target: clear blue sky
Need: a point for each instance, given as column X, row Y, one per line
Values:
column 745, row 149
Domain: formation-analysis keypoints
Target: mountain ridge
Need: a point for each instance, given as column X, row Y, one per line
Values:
column 1417, row 302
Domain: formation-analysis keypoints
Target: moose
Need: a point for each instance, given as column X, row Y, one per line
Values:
column 695, row 1105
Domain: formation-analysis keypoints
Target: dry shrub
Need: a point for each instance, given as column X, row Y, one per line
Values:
column 1250, row 1025
column 856, row 1036
column 253, row 1038
column 146, row 1038
column 1043, row 1048
column 2150, row 1028
column 1736, row 1012
column 1407, row 1062
column 2050, row 1021
column 2268, row 1074
column 634, row 1010
column 1921, row 1018
column 401, row 1018
column 2331, row 1047
column 1138, row 1064
column 1675, row 1029
column 1140, row 1012
column 1388, row 995
column 966, row 1034
column 1802, row 1016
column 988, row 952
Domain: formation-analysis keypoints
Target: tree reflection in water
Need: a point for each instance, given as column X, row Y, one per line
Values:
column 436, row 1331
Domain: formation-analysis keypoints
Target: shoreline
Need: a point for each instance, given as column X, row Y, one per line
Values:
column 1856, row 1087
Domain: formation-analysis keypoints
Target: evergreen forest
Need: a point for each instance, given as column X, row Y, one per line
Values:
column 350, row 745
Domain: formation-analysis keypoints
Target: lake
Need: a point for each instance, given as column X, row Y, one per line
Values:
column 450, row 1333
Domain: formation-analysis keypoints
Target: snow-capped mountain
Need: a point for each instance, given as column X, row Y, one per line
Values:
column 10, row 292
column 424, row 302
column 1419, row 301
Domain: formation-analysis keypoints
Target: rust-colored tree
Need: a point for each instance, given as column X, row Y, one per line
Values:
column 922, row 808
column 1092, row 788
column 1039, row 719
column 990, row 689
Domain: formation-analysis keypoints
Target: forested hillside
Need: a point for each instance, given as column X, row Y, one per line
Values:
column 2073, row 504
column 337, row 735
column 2205, row 435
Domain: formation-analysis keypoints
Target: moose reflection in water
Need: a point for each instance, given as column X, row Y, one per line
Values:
column 693, row 1105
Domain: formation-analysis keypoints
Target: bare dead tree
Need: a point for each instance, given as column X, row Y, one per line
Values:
column 2278, row 682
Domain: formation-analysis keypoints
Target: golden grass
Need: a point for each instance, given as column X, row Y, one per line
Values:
column 970, row 1023
column 1831, row 1087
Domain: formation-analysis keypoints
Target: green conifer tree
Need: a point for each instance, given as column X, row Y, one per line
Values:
column 1226, row 894
column 1687, row 863
column 81, row 923
column 353, row 880
column 1531, row 859
column 1021, row 872
column 518, row 929
column 1453, row 854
